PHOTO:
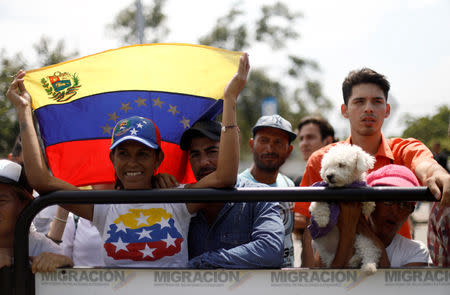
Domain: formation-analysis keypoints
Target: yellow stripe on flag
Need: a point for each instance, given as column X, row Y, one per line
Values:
column 176, row 68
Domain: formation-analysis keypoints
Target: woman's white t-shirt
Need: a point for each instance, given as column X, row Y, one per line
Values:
column 143, row 235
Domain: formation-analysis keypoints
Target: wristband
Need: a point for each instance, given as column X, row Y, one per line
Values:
column 224, row 128
column 54, row 240
column 60, row 219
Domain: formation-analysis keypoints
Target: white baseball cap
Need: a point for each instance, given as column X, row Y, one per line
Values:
column 12, row 173
column 9, row 171
column 277, row 122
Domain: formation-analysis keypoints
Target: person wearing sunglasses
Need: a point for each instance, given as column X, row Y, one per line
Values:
column 383, row 224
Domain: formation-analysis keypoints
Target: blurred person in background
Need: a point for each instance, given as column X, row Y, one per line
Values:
column 313, row 133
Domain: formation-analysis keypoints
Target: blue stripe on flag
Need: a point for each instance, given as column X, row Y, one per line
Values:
column 95, row 116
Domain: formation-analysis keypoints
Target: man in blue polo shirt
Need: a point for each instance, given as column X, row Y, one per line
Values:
column 229, row 235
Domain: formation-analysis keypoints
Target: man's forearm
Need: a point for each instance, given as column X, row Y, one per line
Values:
column 307, row 250
column 250, row 255
column 347, row 224
column 345, row 249
column 58, row 225
column 35, row 166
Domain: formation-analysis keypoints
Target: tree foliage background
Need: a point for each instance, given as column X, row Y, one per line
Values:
column 275, row 27
column 298, row 92
column 9, row 128
column 47, row 53
column 430, row 129
column 124, row 25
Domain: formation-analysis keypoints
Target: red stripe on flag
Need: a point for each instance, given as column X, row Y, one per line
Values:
column 176, row 163
column 96, row 168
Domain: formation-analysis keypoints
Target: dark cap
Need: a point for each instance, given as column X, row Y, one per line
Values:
column 275, row 121
column 210, row 129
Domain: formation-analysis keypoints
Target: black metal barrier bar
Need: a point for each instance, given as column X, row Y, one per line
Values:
column 24, row 280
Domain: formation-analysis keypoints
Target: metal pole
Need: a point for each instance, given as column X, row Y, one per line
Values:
column 139, row 22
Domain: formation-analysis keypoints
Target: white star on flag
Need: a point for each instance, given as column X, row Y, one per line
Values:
column 144, row 234
column 133, row 131
column 142, row 219
column 147, row 251
column 120, row 245
column 164, row 222
column 139, row 125
column 121, row 227
column 169, row 241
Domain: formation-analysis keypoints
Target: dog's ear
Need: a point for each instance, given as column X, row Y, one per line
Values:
column 364, row 161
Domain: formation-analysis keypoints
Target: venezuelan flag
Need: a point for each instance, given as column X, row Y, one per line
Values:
column 77, row 103
column 143, row 235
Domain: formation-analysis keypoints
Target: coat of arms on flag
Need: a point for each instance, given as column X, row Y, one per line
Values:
column 61, row 86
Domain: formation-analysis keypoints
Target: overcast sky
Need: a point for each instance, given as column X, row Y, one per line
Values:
column 406, row 40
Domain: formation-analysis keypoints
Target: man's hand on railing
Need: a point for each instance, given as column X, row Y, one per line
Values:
column 48, row 262
column 5, row 257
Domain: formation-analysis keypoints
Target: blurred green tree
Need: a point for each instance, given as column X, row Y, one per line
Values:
column 430, row 129
column 47, row 54
column 125, row 24
column 9, row 126
column 297, row 93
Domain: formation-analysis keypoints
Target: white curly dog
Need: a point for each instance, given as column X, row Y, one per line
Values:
column 342, row 166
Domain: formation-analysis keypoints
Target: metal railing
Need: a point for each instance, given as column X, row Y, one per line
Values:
column 23, row 280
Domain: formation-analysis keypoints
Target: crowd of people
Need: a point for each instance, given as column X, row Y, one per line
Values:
column 225, row 235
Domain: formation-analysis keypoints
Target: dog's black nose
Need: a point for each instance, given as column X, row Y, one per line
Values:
column 330, row 178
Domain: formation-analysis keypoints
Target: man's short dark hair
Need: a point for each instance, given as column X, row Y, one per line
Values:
column 325, row 128
column 364, row 75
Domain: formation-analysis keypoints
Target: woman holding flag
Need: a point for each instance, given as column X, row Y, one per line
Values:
column 136, row 234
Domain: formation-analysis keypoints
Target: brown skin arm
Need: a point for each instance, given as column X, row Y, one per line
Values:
column 5, row 257
column 49, row 262
column 57, row 227
column 36, row 169
column 347, row 223
column 436, row 178
column 300, row 221
column 228, row 161
column 317, row 261
column 164, row 180
column 307, row 250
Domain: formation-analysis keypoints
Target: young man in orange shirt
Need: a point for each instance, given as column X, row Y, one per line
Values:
column 365, row 105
